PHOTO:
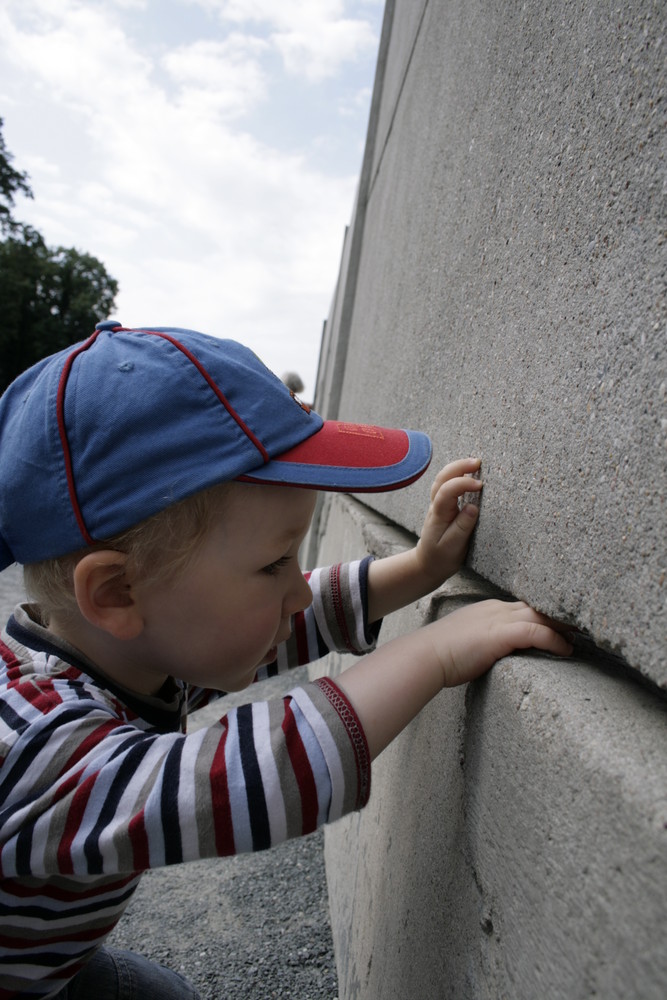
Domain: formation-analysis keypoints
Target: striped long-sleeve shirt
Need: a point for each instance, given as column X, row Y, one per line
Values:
column 98, row 784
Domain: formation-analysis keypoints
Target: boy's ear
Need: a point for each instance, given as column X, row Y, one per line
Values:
column 104, row 594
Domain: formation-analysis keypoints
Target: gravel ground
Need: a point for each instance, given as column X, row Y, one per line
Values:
column 252, row 927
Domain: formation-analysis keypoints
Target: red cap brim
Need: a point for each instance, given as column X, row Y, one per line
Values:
column 349, row 458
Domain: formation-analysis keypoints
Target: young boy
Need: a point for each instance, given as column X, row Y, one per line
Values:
column 157, row 485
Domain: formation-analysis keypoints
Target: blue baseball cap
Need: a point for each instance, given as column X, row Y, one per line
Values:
column 108, row 432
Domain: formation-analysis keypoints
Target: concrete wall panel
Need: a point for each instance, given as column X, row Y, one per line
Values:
column 504, row 290
column 514, row 261
column 515, row 843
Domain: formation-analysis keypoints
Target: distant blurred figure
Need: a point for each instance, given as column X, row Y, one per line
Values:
column 293, row 381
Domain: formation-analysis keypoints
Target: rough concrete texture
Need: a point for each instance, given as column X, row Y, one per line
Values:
column 515, row 844
column 502, row 287
column 506, row 293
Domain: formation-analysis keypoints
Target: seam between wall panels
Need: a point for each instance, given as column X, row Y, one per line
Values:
column 397, row 102
column 383, row 537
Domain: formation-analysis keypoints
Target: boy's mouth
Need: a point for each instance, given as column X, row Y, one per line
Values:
column 272, row 653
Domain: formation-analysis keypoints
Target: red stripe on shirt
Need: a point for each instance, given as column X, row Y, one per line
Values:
column 302, row 770
column 301, row 637
column 74, row 817
column 222, row 811
column 136, row 830
column 99, row 734
column 42, row 696
column 8, row 656
column 49, row 891
column 334, row 581
column 90, row 934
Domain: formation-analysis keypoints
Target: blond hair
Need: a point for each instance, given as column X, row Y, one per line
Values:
column 158, row 548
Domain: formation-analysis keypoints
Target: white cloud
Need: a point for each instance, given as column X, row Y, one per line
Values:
column 284, row 14
column 226, row 76
column 319, row 55
column 351, row 107
column 72, row 48
column 150, row 169
column 313, row 37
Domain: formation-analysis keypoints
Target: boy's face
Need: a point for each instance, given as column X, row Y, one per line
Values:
column 220, row 619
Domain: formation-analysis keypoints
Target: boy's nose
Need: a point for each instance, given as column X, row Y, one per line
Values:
column 300, row 595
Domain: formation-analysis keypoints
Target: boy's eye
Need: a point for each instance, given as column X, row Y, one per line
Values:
column 273, row 567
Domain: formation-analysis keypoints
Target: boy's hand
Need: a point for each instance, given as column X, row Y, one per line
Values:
column 468, row 642
column 398, row 580
column 444, row 539
column 389, row 687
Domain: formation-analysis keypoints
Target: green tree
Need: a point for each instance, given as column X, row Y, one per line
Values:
column 11, row 181
column 49, row 298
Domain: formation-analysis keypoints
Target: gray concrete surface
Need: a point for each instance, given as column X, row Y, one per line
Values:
column 509, row 296
column 503, row 288
column 515, row 844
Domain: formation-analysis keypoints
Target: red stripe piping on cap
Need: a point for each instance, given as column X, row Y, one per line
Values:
column 62, row 430
column 221, row 396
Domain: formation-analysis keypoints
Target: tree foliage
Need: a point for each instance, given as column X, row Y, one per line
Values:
column 49, row 298
column 11, row 181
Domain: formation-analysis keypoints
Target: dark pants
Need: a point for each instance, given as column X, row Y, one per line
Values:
column 122, row 975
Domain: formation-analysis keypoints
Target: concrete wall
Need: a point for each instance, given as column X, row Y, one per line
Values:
column 502, row 287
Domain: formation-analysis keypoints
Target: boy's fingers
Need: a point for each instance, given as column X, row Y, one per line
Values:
column 454, row 470
column 543, row 619
column 449, row 492
column 459, row 529
column 549, row 639
column 467, row 516
column 543, row 632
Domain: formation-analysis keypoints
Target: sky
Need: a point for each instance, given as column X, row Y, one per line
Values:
column 206, row 151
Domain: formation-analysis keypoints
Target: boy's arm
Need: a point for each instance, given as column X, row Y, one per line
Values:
column 399, row 580
column 390, row 686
